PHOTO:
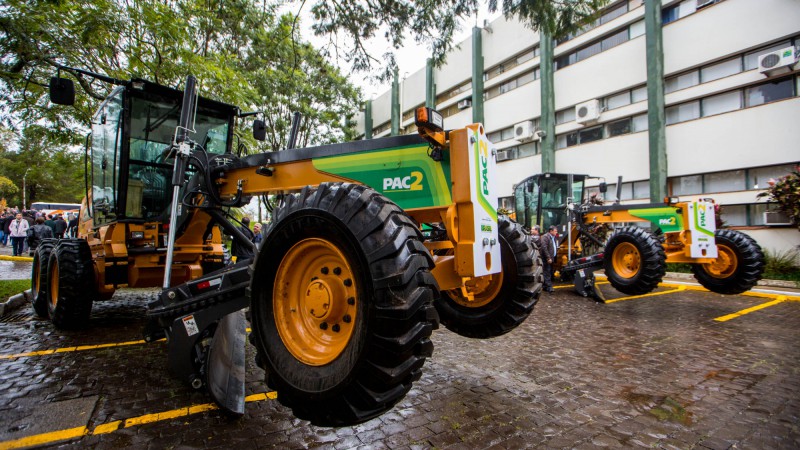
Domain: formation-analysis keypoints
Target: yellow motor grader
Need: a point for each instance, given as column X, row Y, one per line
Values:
column 633, row 243
column 371, row 244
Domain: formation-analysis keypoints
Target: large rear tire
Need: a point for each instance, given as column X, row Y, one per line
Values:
column 501, row 301
column 738, row 267
column 634, row 261
column 71, row 288
column 341, row 302
column 40, row 279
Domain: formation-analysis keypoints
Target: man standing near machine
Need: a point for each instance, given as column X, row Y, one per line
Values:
column 549, row 246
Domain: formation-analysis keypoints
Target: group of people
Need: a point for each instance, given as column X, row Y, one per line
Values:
column 26, row 229
column 548, row 249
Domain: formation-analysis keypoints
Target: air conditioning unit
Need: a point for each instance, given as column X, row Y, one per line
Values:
column 464, row 104
column 587, row 112
column 505, row 155
column 776, row 218
column 778, row 62
column 524, row 131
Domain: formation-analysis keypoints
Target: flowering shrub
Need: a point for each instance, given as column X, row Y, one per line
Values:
column 785, row 192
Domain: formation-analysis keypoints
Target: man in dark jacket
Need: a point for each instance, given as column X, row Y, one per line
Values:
column 4, row 219
column 37, row 233
column 72, row 229
column 59, row 227
column 50, row 222
column 549, row 246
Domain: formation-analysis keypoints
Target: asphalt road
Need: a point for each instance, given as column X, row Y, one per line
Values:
column 679, row 368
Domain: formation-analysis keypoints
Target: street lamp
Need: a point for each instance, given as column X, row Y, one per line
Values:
column 23, row 188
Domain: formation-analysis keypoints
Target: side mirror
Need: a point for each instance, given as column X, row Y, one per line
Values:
column 603, row 187
column 62, row 91
column 259, row 130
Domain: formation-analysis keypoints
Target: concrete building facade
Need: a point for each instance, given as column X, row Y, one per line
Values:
column 729, row 121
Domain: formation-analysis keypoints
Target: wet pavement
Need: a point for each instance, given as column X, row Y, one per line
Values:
column 655, row 371
column 13, row 270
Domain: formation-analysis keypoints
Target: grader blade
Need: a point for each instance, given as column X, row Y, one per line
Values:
column 225, row 365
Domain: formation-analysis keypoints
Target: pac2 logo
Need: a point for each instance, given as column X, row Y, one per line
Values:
column 412, row 182
column 484, row 169
column 667, row 221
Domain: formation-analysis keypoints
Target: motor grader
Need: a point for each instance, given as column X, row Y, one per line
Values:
column 634, row 242
column 346, row 287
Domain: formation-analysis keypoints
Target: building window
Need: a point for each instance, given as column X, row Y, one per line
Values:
column 512, row 84
column 636, row 29
column 722, row 103
column 501, row 135
column 734, row 215
column 759, row 178
column 641, row 189
column 618, row 100
column 614, row 40
column 755, row 213
column 565, row 115
column 682, row 81
column 683, row 112
column 464, row 87
column 688, row 185
column 381, row 128
column 584, row 136
column 769, row 92
column 730, row 181
column 640, row 123
column 619, row 127
column 639, row 94
column 408, row 115
column 721, row 70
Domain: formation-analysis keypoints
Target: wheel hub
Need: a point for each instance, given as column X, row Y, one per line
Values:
column 626, row 260
column 314, row 301
column 725, row 264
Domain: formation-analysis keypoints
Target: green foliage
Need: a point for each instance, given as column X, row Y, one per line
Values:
column 785, row 191
column 10, row 288
column 7, row 187
column 783, row 265
column 432, row 22
column 241, row 51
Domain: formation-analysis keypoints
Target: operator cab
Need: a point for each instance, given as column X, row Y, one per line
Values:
column 130, row 151
column 542, row 199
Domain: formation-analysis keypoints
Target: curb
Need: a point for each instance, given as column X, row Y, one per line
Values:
column 14, row 302
column 771, row 283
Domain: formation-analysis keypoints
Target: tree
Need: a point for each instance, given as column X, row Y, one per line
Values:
column 432, row 22
column 240, row 50
column 7, row 187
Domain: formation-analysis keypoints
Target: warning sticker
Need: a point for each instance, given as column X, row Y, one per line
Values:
column 191, row 325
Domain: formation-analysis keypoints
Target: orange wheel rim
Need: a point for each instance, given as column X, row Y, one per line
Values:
column 314, row 301
column 626, row 260
column 482, row 289
column 53, row 291
column 725, row 265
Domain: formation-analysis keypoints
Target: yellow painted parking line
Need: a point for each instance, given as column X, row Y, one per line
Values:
column 652, row 294
column 79, row 348
column 565, row 286
column 77, row 432
column 16, row 258
column 779, row 299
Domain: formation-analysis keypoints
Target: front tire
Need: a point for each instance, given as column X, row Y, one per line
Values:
column 71, row 288
column 634, row 261
column 738, row 267
column 40, row 278
column 341, row 301
column 501, row 301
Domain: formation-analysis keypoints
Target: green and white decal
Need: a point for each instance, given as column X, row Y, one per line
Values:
column 483, row 195
column 406, row 175
column 702, row 225
column 667, row 217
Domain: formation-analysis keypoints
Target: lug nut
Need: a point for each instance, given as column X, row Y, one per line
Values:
column 346, row 318
column 335, row 328
column 337, row 271
column 324, row 271
column 348, row 282
column 314, row 278
column 323, row 325
column 351, row 301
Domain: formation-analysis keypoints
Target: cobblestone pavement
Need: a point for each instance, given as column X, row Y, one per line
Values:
column 655, row 371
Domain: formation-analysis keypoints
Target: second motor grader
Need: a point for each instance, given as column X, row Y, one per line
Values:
column 634, row 242
column 345, row 289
